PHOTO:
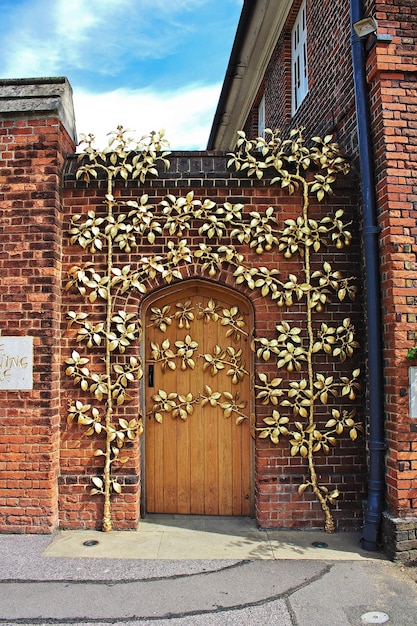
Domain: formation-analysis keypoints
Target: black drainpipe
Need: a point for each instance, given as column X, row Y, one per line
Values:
column 377, row 445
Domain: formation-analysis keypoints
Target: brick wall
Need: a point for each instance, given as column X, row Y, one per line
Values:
column 33, row 244
column 46, row 465
column 32, row 151
column 392, row 78
column 277, row 474
column 329, row 108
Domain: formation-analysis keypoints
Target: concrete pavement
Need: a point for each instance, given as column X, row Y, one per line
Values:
column 192, row 571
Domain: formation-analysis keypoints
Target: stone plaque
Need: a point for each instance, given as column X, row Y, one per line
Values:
column 412, row 372
column 16, row 363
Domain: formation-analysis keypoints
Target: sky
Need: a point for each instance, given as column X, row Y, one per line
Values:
column 144, row 64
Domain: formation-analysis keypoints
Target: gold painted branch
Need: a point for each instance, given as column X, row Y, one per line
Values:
column 224, row 232
column 294, row 347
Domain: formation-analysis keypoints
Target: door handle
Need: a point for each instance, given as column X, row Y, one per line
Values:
column 150, row 375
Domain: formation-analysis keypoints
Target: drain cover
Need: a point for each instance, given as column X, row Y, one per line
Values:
column 375, row 617
column 320, row 544
column 90, row 542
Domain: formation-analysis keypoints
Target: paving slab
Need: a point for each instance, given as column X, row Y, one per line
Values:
column 197, row 537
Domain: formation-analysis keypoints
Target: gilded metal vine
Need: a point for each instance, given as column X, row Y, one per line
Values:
column 302, row 237
column 225, row 232
column 221, row 359
column 118, row 329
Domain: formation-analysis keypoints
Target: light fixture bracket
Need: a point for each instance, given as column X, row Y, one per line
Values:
column 365, row 27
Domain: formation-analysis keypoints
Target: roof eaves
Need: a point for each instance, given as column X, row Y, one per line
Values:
column 240, row 37
column 259, row 27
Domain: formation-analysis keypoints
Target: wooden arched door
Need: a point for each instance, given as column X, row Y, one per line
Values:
column 198, row 401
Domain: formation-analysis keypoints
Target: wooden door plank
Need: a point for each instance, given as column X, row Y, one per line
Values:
column 210, row 415
column 185, row 384
column 225, row 466
column 169, row 383
column 246, row 469
column 150, row 436
column 150, row 464
column 197, row 463
column 211, row 461
column 226, row 483
column 183, row 467
column 237, row 486
column 197, row 436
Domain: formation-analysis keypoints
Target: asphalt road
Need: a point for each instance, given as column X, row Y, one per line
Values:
column 40, row 590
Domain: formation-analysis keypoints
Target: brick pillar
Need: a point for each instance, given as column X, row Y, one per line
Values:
column 37, row 131
column 393, row 97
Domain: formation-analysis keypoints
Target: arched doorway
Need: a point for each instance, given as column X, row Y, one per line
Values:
column 198, row 459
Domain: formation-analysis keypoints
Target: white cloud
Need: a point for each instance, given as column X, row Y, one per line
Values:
column 95, row 35
column 106, row 44
column 185, row 114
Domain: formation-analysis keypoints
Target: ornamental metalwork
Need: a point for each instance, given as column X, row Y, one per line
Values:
column 182, row 405
column 117, row 329
column 311, row 172
column 225, row 233
column 226, row 359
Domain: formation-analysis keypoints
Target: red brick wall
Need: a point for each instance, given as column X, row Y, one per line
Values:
column 34, row 457
column 329, row 106
column 31, row 159
column 392, row 79
column 277, row 473
column 39, row 450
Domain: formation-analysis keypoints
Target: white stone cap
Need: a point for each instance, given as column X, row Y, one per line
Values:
column 39, row 96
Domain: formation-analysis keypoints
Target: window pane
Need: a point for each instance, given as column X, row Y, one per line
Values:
column 299, row 59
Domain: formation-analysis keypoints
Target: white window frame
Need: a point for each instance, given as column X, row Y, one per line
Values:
column 299, row 79
column 261, row 117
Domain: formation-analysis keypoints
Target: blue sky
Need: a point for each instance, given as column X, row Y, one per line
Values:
column 145, row 64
